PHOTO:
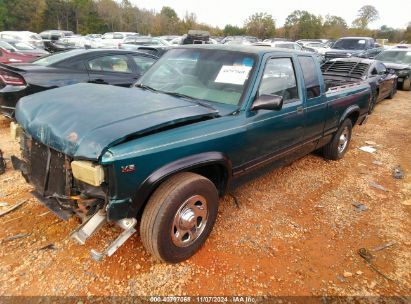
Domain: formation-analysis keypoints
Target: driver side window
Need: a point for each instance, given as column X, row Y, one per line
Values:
column 279, row 79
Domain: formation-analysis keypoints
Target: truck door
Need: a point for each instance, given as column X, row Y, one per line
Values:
column 272, row 132
column 316, row 105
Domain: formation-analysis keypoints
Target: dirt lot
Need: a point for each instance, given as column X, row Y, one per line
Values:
column 297, row 231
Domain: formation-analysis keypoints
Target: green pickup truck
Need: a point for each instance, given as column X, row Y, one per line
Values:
column 163, row 152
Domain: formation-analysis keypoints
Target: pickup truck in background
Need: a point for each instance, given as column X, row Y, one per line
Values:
column 164, row 152
column 363, row 47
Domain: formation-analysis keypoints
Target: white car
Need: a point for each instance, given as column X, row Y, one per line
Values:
column 23, row 36
column 321, row 48
column 281, row 44
column 115, row 39
column 132, row 43
column 177, row 41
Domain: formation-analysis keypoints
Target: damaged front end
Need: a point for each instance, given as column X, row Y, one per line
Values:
column 51, row 174
column 69, row 188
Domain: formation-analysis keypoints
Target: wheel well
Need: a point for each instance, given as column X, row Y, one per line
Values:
column 216, row 173
column 354, row 117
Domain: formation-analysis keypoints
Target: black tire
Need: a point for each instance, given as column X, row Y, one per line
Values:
column 406, row 84
column 333, row 149
column 158, row 228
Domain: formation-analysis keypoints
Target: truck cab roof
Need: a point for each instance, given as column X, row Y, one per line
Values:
column 253, row 49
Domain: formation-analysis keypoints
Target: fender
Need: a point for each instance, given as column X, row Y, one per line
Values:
column 350, row 110
column 184, row 164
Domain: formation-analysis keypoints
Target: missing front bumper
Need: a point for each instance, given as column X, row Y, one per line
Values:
column 92, row 225
column 54, row 206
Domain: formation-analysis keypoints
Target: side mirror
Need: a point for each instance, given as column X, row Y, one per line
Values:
column 391, row 71
column 268, row 102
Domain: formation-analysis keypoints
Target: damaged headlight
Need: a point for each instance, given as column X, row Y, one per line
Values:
column 88, row 172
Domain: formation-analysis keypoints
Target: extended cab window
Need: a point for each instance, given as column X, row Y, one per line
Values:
column 311, row 81
column 279, row 79
column 112, row 63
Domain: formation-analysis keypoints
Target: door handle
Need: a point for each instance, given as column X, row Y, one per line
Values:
column 300, row 109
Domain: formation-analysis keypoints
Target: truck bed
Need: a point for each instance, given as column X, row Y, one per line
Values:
column 333, row 83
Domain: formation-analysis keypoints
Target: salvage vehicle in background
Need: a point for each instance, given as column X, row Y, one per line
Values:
column 115, row 67
column 383, row 81
column 245, row 40
column 319, row 47
column 292, row 46
column 398, row 59
column 281, row 44
column 10, row 56
column 22, row 47
column 24, row 36
column 56, row 46
column 115, row 39
column 165, row 152
column 55, row 34
column 132, row 43
column 364, row 47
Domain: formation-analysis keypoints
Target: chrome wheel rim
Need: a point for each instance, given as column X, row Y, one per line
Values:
column 189, row 221
column 343, row 141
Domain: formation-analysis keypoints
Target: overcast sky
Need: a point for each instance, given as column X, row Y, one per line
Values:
column 394, row 13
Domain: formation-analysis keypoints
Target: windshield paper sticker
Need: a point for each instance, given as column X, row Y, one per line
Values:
column 233, row 74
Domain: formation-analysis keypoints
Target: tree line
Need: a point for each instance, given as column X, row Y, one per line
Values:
column 99, row 16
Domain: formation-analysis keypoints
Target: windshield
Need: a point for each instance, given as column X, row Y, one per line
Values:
column 22, row 46
column 6, row 46
column 350, row 44
column 402, row 57
column 54, row 58
column 210, row 75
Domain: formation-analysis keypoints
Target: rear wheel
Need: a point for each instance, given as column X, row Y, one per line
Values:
column 340, row 142
column 406, row 84
column 179, row 217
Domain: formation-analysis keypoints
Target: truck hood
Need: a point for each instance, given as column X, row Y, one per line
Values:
column 83, row 120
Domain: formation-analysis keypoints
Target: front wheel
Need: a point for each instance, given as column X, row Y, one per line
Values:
column 179, row 217
column 340, row 142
